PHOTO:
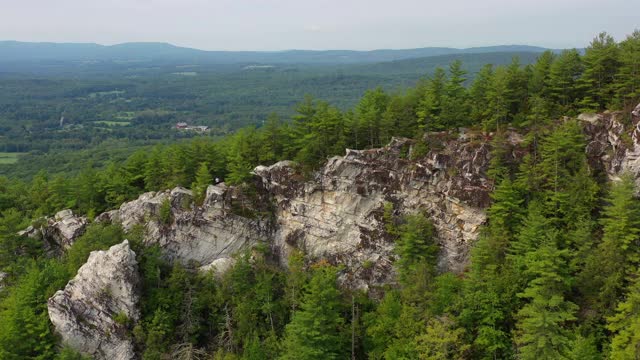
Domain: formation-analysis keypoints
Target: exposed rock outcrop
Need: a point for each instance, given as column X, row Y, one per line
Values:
column 58, row 232
column 338, row 214
column 92, row 312
column 614, row 143
column 201, row 234
column 3, row 277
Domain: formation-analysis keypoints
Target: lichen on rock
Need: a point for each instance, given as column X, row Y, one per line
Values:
column 59, row 232
column 92, row 313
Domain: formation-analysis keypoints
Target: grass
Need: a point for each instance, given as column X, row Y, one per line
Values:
column 126, row 115
column 9, row 158
column 113, row 123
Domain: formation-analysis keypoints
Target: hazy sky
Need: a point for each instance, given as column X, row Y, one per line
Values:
column 319, row 24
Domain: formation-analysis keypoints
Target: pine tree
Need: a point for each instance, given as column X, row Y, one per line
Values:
column 485, row 311
column 516, row 90
column 628, row 78
column 430, row 105
column 601, row 62
column 618, row 255
column 625, row 325
column 584, row 348
column 316, row 331
column 442, row 340
column 565, row 71
column 203, row 180
column 416, row 247
column 542, row 333
column 541, row 73
column 382, row 325
column 506, row 209
column 498, row 101
column 242, row 156
column 479, row 94
column 370, row 112
column 455, row 106
column 272, row 140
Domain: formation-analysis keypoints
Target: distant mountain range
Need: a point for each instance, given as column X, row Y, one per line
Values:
column 16, row 52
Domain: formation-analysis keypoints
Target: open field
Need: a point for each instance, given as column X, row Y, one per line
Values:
column 9, row 158
column 113, row 123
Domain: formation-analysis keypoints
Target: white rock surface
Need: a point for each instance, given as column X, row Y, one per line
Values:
column 338, row 214
column 3, row 277
column 614, row 143
column 58, row 232
column 200, row 234
column 105, row 287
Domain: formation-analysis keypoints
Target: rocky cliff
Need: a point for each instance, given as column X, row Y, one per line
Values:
column 92, row 312
column 58, row 232
column 336, row 214
column 200, row 235
column 614, row 142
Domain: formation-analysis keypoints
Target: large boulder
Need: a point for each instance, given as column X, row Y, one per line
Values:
column 93, row 312
column 59, row 232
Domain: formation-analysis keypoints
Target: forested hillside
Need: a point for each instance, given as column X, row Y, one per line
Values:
column 553, row 274
column 100, row 112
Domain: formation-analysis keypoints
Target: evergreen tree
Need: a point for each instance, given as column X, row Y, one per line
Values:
column 316, row 331
column 479, row 94
column 430, row 105
column 542, row 332
column 382, row 325
column 203, row 180
column 566, row 69
column 441, row 341
column 416, row 247
column 370, row 112
column 628, row 77
column 541, row 74
column 625, row 325
column 455, row 106
column 601, row 62
column 618, row 255
column 498, row 101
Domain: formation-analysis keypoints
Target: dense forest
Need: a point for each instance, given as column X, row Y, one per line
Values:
column 554, row 274
column 57, row 121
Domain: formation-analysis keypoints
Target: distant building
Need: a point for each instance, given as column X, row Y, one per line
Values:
column 185, row 126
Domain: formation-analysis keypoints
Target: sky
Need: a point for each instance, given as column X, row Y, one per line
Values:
column 319, row 24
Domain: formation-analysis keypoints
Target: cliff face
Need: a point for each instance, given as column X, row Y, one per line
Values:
column 336, row 215
column 614, row 142
column 196, row 234
column 91, row 313
column 339, row 213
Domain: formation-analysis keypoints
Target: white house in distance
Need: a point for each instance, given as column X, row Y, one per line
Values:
column 186, row 127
